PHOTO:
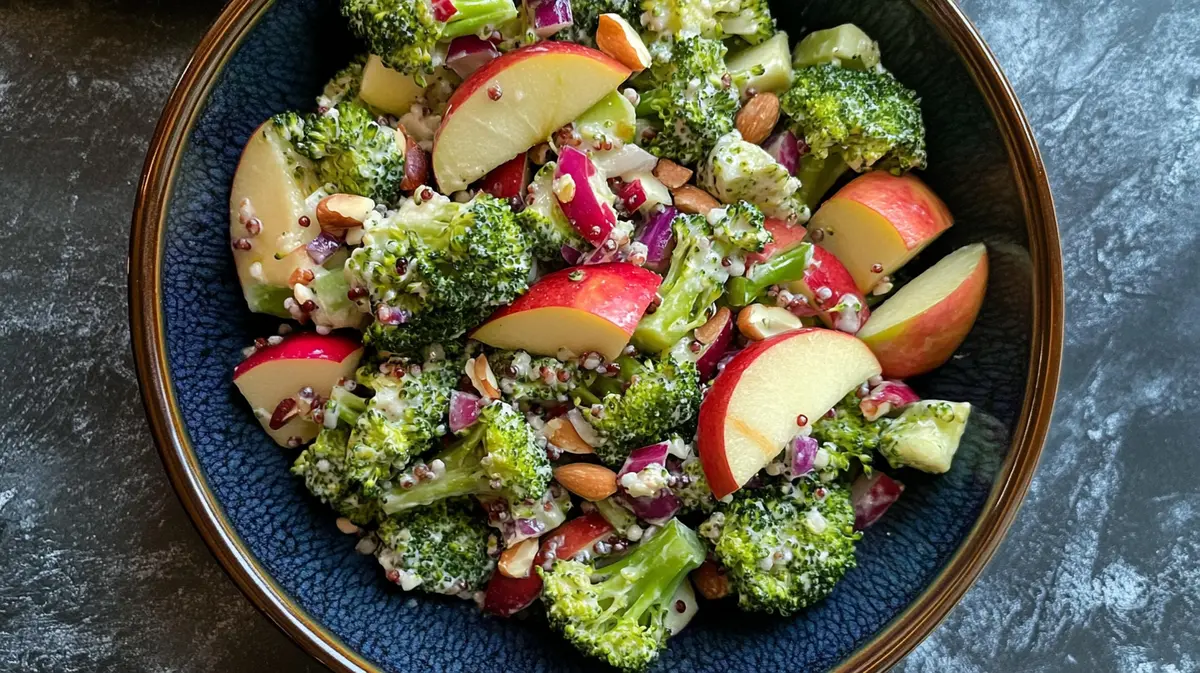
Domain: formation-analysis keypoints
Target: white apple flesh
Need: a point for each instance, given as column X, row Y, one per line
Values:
column 277, row 373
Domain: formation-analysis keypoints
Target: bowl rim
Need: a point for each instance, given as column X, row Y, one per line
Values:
column 888, row 646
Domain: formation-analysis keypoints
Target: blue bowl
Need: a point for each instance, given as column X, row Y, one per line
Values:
column 189, row 324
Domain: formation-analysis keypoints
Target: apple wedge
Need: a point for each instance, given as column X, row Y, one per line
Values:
column 266, row 204
column 919, row 328
column 878, row 222
column 583, row 309
column 757, row 401
column 831, row 293
column 272, row 377
column 515, row 102
column 386, row 90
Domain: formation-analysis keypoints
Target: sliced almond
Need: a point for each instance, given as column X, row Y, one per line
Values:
column 757, row 322
column 709, row 331
column 416, row 164
column 587, row 480
column 671, row 174
column 709, row 579
column 693, row 200
column 562, row 433
column 540, row 154
column 517, row 560
column 482, row 377
column 301, row 276
column 338, row 212
column 618, row 39
column 758, row 117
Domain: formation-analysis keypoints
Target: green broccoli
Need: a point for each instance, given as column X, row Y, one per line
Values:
column 435, row 268
column 544, row 223
column 351, row 151
column 442, row 548
column 697, row 273
column 617, row 612
column 344, row 85
column 848, row 429
column 691, row 486
column 585, row 15
column 499, row 456
column 782, row 268
column 405, row 33
column 323, row 467
column 748, row 19
column 738, row 170
column 687, row 98
column 864, row 119
column 540, row 380
column 784, row 545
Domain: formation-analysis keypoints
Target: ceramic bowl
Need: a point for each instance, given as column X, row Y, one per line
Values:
column 189, row 324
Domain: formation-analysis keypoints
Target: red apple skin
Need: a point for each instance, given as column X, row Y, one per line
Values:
column 508, row 180
column 302, row 346
column 926, row 341
column 711, row 432
column 784, row 237
column 480, row 77
column 506, row 596
column 711, row 356
column 617, row 292
column 917, row 214
column 826, row 271
column 588, row 214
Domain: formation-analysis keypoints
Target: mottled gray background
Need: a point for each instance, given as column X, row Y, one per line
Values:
column 102, row 570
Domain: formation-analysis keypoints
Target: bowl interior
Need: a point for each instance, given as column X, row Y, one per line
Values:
column 281, row 64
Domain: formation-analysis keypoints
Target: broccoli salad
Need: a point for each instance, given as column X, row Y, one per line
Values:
column 593, row 305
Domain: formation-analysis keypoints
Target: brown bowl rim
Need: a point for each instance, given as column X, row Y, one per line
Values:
column 887, row 647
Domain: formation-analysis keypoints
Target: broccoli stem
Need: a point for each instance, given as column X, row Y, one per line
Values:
column 817, row 176
column 347, row 405
column 473, row 15
column 462, row 477
column 782, row 268
column 654, row 570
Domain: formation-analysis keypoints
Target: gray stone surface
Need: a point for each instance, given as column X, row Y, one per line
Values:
column 104, row 572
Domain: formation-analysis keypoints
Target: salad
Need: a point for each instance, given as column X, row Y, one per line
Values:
column 573, row 314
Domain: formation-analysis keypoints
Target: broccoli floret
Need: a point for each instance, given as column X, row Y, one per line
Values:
column 865, row 119
column 402, row 419
column 350, row 150
column 642, row 405
column 542, row 219
column 344, row 85
column 323, row 467
column 784, row 545
column 435, row 268
column 691, row 486
column 748, row 19
column 738, row 170
column 335, row 309
column 498, row 457
column 404, row 33
column 848, row 429
column 442, row 548
column 585, row 15
column 688, row 98
column 524, row 519
column 697, row 273
column 617, row 612
column 541, row 380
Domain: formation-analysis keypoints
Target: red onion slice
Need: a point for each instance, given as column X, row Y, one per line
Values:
column 631, row 195
column 570, row 255
column 872, row 496
column 640, row 459
column 467, row 53
column 800, row 454
column 786, row 150
column 659, row 238
column 320, row 248
column 885, row 398
column 655, row 509
column 443, row 9
column 464, row 410
column 548, row 16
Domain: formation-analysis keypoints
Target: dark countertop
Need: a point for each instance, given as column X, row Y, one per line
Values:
column 104, row 572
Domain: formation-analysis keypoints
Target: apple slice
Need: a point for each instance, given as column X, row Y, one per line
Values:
column 580, row 198
column 266, row 204
column 271, row 379
column 508, row 180
column 756, row 403
column 832, row 293
column 919, row 328
column 386, row 90
column 591, row 308
column 515, row 102
column 878, row 222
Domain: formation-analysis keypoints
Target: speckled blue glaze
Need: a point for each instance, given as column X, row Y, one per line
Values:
column 293, row 536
